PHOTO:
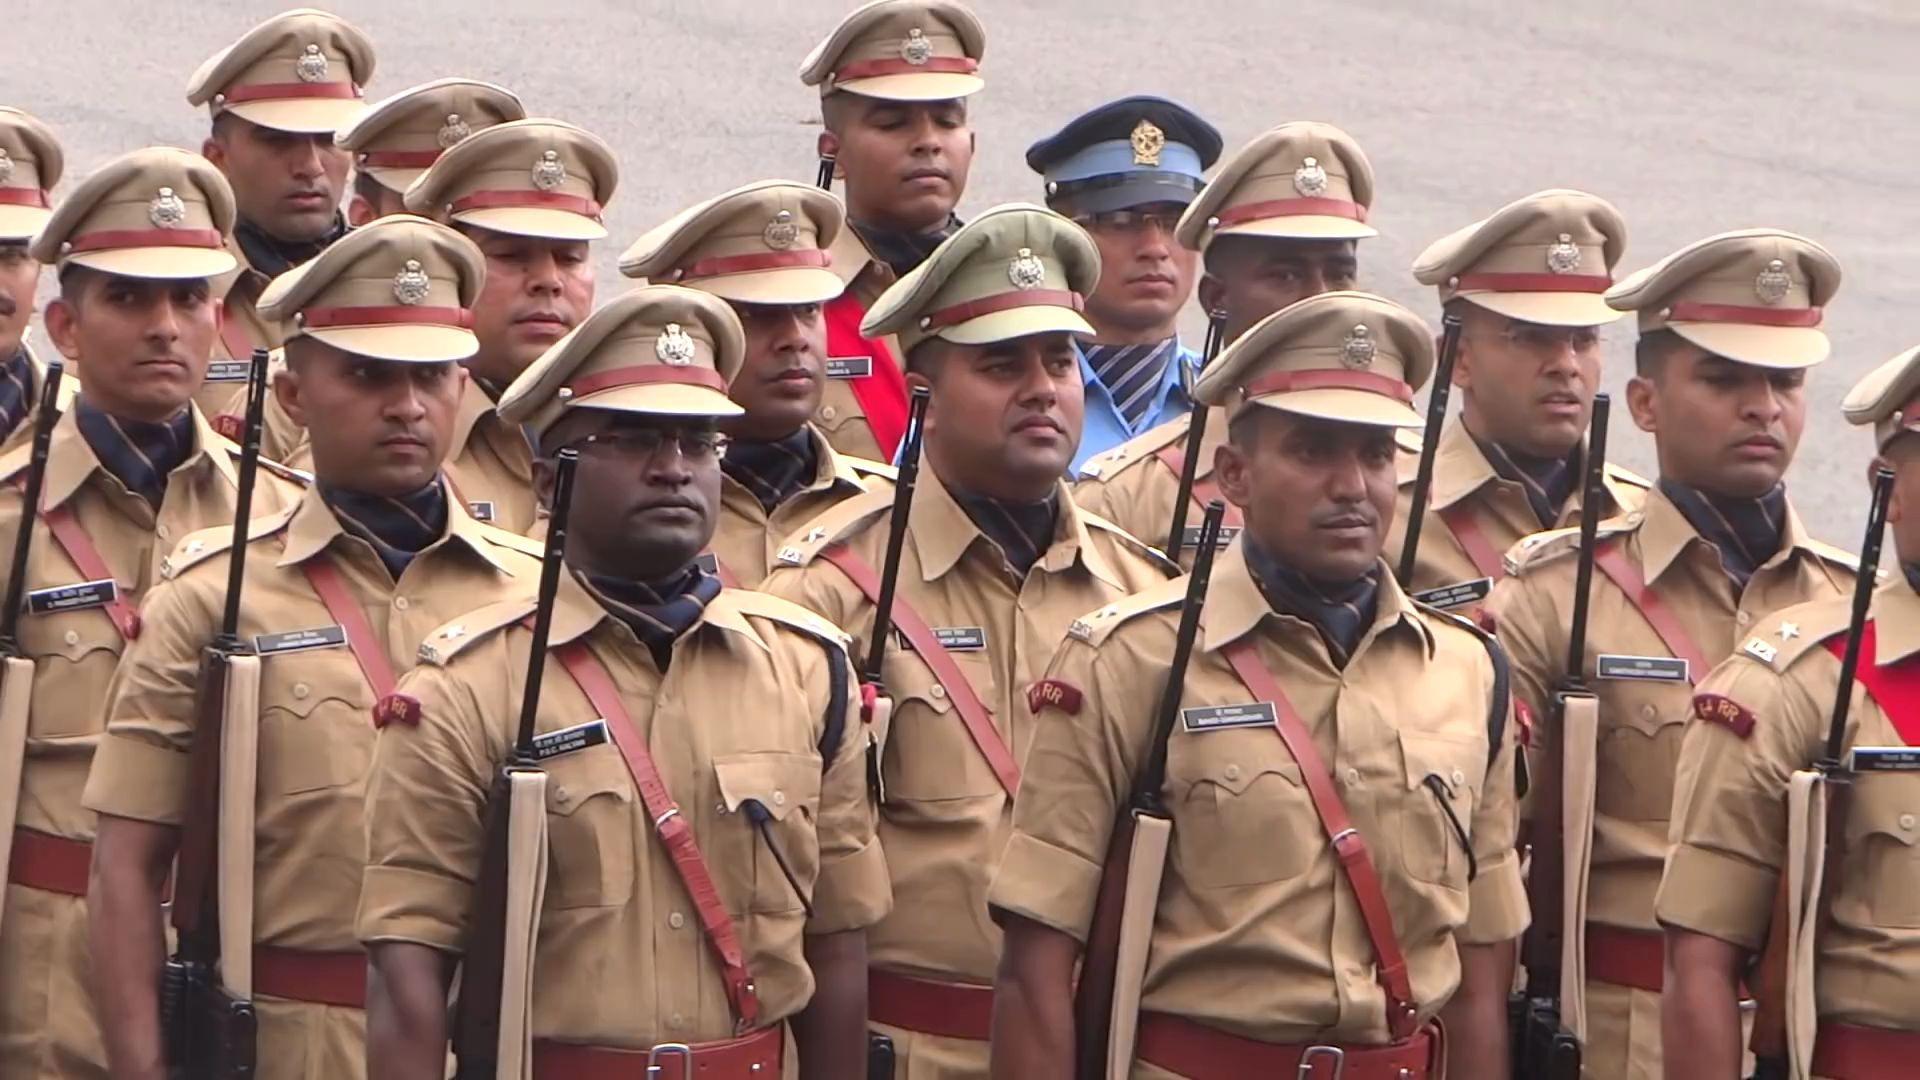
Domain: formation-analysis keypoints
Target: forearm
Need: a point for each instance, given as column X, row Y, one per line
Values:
column 1477, row 1038
column 1033, row 1033
column 1700, row 1020
column 407, row 1011
column 128, row 948
column 832, row 1029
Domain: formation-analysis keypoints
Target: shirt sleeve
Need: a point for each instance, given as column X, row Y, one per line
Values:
column 1497, row 900
column 853, row 889
column 1529, row 629
column 426, row 801
column 140, row 769
column 1729, row 822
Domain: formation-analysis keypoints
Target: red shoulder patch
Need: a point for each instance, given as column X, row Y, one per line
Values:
column 396, row 709
column 230, row 426
column 1723, row 710
column 1056, row 693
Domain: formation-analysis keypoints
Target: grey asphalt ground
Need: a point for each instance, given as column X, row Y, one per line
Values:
column 1693, row 116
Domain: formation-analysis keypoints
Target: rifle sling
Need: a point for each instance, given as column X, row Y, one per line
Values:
column 233, row 334
column 974, row 714
column 1465, row 527
column 79, row 547
column 1348, row 844
column 675, row 832
column 367, row 650
column 1173, row 456
column 1612, row 561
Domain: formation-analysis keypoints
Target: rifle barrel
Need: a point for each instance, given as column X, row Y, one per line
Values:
column 896, row 535
column 43, row 423
column 1196, row 434
column 1593, row 495
column 1153, row 775
column 1863, row 587
column 1430, row 443
column 243, row 500
column 552, row 561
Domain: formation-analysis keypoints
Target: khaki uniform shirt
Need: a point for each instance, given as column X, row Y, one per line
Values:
column 1130, row 486
column 840, row 417
column 747, row 536
column 1641, row 718
column 1463, row 477
column 490, row 464
column 1730, row 821
column 739, row 714
column 69, row 389
column 224, row 394
column 944, row 816
column 1256, row 931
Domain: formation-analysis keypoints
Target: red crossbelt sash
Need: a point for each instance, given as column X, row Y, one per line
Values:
column 1895, row 687
column 882, row 394
column 1174, row 457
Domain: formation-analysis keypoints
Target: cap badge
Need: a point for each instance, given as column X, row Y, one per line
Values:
column 1310, row 179
column 312, row 65
column 675, row 346
column 1026, row 271
column 1773, row 284
column 166, row 210
column 1148, row 140
column 411, row 284
column 781, row 233
column 1563, row 255
column 549, row 172
column 1357, row 350
column 6, row 166
column 916, row 50
column 452, row 131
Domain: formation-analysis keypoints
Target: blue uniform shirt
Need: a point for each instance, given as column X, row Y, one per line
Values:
column 1105, row 428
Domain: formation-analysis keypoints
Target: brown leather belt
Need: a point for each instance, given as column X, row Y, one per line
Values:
column 1198, row 1052
column 750, row 1057
column 949, row 1010
column 1635, row 959
column 1850, row 1052
column 317, row 978
column 49, row 863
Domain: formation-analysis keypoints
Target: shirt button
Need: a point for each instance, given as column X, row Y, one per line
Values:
column 1906, row 822
column 560, row 792
column 400, row 603
column 301, row 690
column 1743, row 618
column 1648, row 711
column 676, row 920
column 162, row 533
column 828, row 412
column 676, row 1021
column 72, row 638
column 1233, row 772
column 938, row 691
column 779, row 798
column 1459, row 778
column 1353, row 777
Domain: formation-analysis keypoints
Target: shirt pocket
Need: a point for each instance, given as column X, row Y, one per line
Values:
column 1443, row 782
column 1883, row 822
column 1639, row 748
column 590, row 830
column 930, row 758
column 786, row 787
column 70, row 649
column 316, row 723
column 1240, row 822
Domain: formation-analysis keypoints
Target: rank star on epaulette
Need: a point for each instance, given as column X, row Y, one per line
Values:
column 1788, row 631
column 396, row 708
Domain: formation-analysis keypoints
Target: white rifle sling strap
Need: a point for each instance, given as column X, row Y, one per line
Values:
column 16, row 704
column 1579, row 736
column 239, row 784
column 1806, row 866
column 526, row 891
column 1146, row 865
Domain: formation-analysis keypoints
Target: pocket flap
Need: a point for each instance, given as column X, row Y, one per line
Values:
column 779, row 781
column 1461, row 765
column 1887, row 806
column 1236, row 778
column 574, row 779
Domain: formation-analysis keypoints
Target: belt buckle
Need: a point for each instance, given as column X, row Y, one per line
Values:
column 665, row 1050
column 1334, row 1054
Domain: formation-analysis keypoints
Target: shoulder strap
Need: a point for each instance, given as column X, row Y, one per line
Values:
column 1613, row 562
column 1465, row 527
column 1174, row 457
column 1895, row 688
column 1348, row 844
column 367, row 650
column 974, row 714
column 1502, row 676
column 79, row 547
column 594, row 681
column 233, row 334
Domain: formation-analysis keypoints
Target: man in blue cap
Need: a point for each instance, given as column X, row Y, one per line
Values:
column 1125, row 171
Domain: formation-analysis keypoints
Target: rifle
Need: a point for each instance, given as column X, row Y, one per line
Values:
column 1544, row 1049
column 476, row 1015
column 903, row 486
column 1196, row 431
column 1430, row 443
column 1140, row 839
column 209, row 1030
column 1769, row 1039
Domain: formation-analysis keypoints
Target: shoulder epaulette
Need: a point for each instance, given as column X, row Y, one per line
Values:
column 1535, row 551
column 452, row 638
column 511, row 540
column 1840, row 557
column 1133, row 543
column 15, row 462
column 284, row 472
column 1409, row 441
column 869, row 467
column 1788, row 634
column 1103, row 465
column 203, row 544
column 765, row 606
column 1628, row 477
column 1094, row 626
column 831, row 525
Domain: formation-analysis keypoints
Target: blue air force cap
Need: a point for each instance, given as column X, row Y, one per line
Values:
column 1130, row 152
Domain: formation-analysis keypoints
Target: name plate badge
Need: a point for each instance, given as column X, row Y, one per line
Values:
column 1648, row 668
column 229, row 371
column 1191, row 537
column 569, row 740
column 1884, row 759
column 1221, row 717
column 87, row 594
column 319, row 637
column 708, row 562
column 955, row 638
column 1457, row 595
column 849, row 367
column 481, row 511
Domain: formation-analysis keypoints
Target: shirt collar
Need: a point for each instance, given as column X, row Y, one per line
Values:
column 70, row 461
column 1235, row 605
column 941, row 532
column 1665, row 532
column 576, row 613
column 474, row 404
column 314, row 527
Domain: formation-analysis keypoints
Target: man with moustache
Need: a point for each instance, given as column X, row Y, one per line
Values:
column 1124, row 172
column 995, row 563
column 894, row 79
column 1342, row 876
column 30, row 166
column 276, row 96
column 133, row 468
column 376, row 328
column 397, row 139
column 1526, row 284
column 531, row 194
column 763, row 249
column 1278, row 223
column 1729, row 327
column 697, row 946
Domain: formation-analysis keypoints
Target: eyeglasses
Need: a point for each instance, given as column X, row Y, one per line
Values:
column 1130, row 222
column 641, row 444
column 1538, row 338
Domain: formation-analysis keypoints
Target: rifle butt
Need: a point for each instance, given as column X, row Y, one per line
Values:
column 1099, row 964
column 476, row 1014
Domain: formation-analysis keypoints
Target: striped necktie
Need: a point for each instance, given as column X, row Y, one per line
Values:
column 16, row 392
column 397, row 528
column 1746, row 532
column 139, row 452
column 1131, row 373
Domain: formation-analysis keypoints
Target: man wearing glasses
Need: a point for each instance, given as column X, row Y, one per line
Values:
column 1124, row 172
